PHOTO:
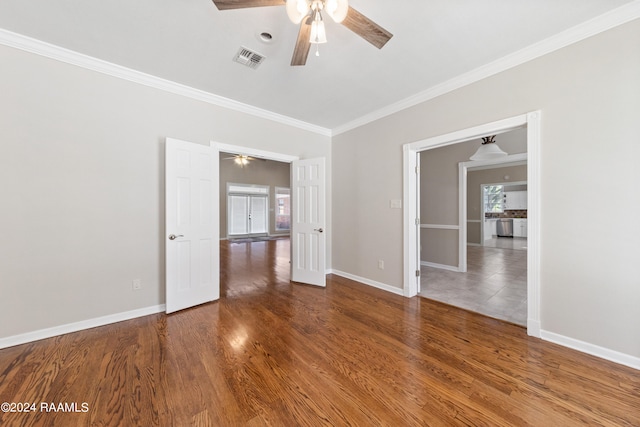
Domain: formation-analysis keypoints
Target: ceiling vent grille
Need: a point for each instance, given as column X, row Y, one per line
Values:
column 249, row 58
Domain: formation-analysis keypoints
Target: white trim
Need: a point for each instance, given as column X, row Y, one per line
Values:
column 462, row 218
column 410, row 187
column 441, row 226
column 61, row 54
column 595, row 350
column 440, row 266
column 534, row 243
column 410, row 231
column 79, row 326
column 373, row 283
column 597, row 25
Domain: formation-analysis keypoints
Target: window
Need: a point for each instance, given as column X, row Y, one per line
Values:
column 283, row 209
column 493, row 198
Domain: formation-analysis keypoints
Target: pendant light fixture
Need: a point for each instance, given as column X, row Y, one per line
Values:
column 318, row 33
column 297, row 10
column 488, row 150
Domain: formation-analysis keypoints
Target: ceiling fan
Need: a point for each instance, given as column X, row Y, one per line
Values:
column 308, row 13
column 242, row 160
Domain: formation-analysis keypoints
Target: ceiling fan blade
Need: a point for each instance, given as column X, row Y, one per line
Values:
column 303, row 45
column 239, row 4
column 366, row 28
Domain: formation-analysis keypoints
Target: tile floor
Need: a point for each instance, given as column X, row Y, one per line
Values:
column 495, row 283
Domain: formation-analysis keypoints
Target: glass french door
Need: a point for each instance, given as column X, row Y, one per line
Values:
column 248, row 214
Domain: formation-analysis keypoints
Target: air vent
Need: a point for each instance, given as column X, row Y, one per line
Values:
column 249, row 58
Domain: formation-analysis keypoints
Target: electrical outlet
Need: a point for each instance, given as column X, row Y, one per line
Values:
column 136, row 284
column 381, row 264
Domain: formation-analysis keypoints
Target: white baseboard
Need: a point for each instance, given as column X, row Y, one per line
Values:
column 440, row 266
column 592, row 349
column 373, row 283
column 78, row 326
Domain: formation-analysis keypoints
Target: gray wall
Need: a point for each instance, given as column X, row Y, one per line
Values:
column 260, row 172
column 589, row 97
column 82, row 194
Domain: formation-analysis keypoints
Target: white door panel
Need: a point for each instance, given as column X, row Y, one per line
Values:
column 238, row 213
column 259, row 214
column 308, row 222
column 191, row 214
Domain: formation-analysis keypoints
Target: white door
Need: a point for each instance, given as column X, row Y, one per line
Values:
column 191, row 225
column 308, row 238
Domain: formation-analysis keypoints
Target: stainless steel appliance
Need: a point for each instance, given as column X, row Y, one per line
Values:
column 504, row 227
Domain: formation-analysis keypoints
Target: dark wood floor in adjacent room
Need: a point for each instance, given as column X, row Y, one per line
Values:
column 274, row 353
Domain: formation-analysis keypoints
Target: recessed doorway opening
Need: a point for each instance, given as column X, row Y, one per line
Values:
column 412, row 220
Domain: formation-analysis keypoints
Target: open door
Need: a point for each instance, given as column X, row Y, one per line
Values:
column 191, row 225
column 308, row 237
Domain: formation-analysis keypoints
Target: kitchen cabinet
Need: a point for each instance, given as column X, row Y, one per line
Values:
column 519, row 227
column 515, row 200
column 490, row 228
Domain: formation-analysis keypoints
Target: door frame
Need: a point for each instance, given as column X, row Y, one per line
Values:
column 411, row 212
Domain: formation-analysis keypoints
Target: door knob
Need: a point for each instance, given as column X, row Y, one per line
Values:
column 174, row 237
column 319, row 230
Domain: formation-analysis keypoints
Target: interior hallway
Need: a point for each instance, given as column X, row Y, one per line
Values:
column 495, row 283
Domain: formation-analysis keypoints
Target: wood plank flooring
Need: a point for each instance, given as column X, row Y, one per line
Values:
column 273, row 353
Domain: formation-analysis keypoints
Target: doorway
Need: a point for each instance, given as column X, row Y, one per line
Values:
column 495, row 280
column 308, row 216
column 254, row 236
column 411, row 222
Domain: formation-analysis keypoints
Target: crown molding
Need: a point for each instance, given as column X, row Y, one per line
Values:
column 597, row 25
column 38, row 47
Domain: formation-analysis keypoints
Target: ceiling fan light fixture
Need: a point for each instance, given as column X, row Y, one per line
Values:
column 318, row 33
column 488, row 150
column 297, row 10
column 241, row 160
column 337, row 9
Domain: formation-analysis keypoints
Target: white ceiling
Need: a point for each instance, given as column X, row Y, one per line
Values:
column 192, row 42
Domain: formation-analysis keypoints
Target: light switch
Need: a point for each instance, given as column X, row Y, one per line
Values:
column 395, row 204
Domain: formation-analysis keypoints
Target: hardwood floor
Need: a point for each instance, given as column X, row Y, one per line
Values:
column 274, row 353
